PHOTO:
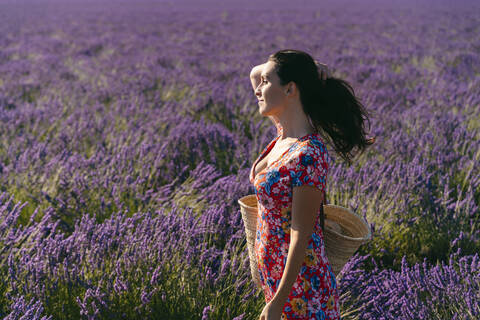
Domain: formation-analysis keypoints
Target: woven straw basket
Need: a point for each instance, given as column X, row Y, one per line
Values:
column 344, row 233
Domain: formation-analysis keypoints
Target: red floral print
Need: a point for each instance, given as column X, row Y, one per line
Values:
column 314, row 294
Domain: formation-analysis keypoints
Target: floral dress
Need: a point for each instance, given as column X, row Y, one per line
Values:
column 314, row 294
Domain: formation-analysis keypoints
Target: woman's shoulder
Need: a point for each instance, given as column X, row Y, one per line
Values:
column 312, row 150
column 317, row 144
column 313, row 145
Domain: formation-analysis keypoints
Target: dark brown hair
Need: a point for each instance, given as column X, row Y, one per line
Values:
column 336, row 113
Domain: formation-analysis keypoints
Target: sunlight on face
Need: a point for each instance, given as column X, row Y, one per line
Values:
column 269, row 91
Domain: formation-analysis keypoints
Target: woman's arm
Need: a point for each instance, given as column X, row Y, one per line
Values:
column 306, row 203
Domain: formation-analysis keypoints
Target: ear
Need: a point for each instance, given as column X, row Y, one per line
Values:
column 291, row 88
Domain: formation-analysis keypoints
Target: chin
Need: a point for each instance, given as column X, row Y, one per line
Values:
column 263, row 112
column 266, row 112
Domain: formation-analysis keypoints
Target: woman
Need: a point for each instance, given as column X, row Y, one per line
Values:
column 289, row 176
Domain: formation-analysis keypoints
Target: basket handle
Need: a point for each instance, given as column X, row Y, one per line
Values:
column 322, row 215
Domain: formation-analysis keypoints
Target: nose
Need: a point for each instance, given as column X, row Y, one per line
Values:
column 258, row 93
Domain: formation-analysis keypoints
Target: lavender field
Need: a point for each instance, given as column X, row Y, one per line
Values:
column 128, row 129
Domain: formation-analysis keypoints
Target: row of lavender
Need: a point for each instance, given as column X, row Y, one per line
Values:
column 124, row 132
column 171, row 264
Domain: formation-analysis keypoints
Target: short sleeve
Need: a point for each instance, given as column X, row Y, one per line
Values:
column 309, row 166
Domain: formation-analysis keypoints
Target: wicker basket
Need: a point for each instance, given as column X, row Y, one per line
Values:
column 344, row 233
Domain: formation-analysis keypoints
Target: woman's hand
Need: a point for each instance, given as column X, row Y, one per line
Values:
column 323, row 71
column 255, row 75
column 257, row 70
column 272, row 311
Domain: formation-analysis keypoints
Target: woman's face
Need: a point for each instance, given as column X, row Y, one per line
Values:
column 270, row 93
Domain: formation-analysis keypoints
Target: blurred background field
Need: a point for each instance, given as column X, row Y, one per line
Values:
column 127, row 132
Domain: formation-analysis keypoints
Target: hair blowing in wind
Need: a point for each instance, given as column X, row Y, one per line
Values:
column 336, row 113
